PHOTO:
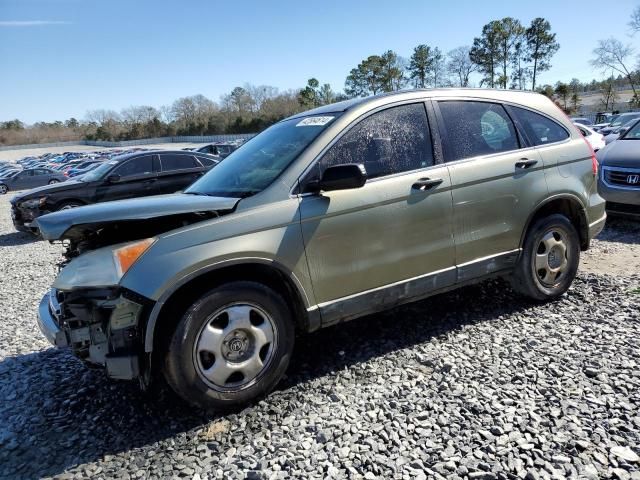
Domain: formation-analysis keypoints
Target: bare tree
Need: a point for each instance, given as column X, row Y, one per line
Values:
column 460, row 65
column 635, row 20
column 609, row 95
column 612, row 54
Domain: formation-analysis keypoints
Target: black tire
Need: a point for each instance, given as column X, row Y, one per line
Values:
column 68, row 205
column 53, row 182
column 3, row 189
column 183, row 369
column 529, row 280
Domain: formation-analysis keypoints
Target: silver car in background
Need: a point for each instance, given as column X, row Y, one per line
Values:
column 30, row 178
column 619, row 179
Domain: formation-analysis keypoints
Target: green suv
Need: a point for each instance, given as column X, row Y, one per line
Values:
column 326, row 216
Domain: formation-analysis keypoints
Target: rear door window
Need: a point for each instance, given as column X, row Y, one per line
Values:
column 541, row 130
column 476, row 129
column 173, row 161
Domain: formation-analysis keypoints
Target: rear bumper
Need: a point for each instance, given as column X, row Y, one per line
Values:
column 596, row 227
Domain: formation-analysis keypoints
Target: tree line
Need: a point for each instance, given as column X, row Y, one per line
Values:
column 506, row 54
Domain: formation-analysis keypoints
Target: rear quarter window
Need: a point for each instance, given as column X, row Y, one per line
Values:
column 541, row 130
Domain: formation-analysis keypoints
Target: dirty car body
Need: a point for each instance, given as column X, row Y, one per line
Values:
column 327, row 216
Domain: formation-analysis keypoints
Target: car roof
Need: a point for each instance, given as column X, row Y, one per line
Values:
column 480, row 93
column 126, row 156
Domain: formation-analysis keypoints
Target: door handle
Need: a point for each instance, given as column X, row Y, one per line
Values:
column 525, row 163
column 424, row 184
column 151, row 180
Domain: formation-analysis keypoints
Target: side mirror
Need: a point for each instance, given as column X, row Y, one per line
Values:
column 115, row 178
column 343, row 177
column 622, row 131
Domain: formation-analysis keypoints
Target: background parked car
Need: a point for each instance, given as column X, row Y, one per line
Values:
column 223, row 150
column 595, row 139
column 620, row 121
column 582, row 121
column 618, row 132
column 34, row 177
column 127, row 176
column 83, row 168
column 619, row 179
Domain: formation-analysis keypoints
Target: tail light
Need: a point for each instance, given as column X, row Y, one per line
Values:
column 594, row 160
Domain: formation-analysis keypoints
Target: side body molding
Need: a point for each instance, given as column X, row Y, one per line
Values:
column 313, row 314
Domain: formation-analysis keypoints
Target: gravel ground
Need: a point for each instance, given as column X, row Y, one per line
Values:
column 473, row 384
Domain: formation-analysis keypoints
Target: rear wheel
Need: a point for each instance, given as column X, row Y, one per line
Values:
column 231, row 346
column 550, row 259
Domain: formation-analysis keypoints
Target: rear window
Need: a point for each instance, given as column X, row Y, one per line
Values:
column 540, row 129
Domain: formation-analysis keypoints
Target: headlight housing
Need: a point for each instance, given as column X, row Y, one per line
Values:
column 103, row 267
column 34, row 202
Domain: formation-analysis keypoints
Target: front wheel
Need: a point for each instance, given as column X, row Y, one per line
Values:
column 549, row 260
column 3, row 189
column 231, row 346
column 53, row 182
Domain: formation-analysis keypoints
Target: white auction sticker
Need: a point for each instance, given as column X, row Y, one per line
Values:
column 314, row 121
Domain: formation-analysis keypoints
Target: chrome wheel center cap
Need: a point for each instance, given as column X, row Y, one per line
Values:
column 555, row 258
column 236, row 346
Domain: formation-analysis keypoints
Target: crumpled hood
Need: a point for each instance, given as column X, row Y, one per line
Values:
column 54, row 225
column 44, row 190
column 621, row 153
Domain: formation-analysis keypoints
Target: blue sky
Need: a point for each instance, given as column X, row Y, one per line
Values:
column 60, row 58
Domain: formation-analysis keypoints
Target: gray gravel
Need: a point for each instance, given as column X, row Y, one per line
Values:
column 473, row 384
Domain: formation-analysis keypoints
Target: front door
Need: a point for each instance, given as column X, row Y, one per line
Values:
column 24, row 180
column 390, row 240
column 136, row 179
column 497, row 180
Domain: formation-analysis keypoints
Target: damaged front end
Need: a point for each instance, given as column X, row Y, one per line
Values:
column 103, row 326
column 87, row 309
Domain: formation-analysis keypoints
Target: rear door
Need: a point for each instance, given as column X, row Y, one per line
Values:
column 390, row 240
column 41, row 176
column 497, row 180
column 137, row 178
column 177, row 171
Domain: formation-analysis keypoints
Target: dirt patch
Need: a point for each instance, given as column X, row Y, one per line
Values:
column 616, row 251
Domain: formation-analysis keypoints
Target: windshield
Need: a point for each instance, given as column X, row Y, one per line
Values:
column 622, row 119
column 98, row 173
column 256, row 164
column 633, row 133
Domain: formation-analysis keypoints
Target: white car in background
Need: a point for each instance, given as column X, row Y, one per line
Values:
column 595, row 139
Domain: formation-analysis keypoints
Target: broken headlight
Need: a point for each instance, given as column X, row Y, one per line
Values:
column 103, row 267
